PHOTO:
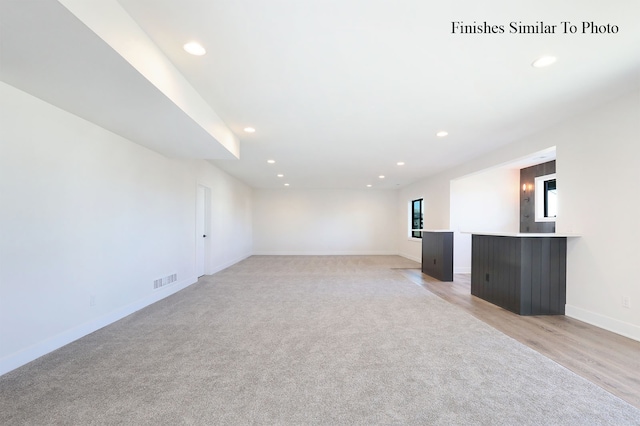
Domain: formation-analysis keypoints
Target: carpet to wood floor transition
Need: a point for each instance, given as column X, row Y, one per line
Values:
column 340, row 340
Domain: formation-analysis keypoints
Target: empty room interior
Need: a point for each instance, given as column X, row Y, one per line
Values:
column 223, row 212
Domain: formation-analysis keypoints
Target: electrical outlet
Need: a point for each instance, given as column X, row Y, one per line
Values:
column 626, row 302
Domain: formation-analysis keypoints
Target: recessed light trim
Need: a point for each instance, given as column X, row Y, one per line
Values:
column 369, row 186
column 249, row 130
column 271, row 161
column 280, row 175
column 381, row 177
column 544, row 61
column 286, row 184
column 400, row 163
column 442, row 134
column 194, row 48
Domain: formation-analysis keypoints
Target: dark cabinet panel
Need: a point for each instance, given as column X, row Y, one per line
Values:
column 525, row 275
column 437, row 255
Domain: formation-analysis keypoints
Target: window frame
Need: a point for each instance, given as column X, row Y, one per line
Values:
column 541, row 198
column 416, row 233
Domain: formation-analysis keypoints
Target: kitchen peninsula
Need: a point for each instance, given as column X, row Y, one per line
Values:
column 437, row 254
column 524, row 273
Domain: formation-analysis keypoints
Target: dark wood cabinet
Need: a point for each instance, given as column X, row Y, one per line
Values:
column 437, row 254
column 526, row 275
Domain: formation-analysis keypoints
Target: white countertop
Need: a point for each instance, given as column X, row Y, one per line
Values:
column 523, row 234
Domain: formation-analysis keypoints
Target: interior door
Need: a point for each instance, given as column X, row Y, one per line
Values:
column 201, row 229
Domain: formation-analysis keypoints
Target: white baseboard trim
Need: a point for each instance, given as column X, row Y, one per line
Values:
column 626, row 329
column 225, row 265
column 462, row 270
column 325, row 253
column 24, row 356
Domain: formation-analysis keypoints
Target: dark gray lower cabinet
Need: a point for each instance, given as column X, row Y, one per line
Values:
column 437, row 255
column 526, row 275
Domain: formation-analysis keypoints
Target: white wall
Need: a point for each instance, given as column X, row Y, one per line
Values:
column 485, row 201
column 87, row 214
column 291, row 221
column 435, row 209
column 230, row 227
column 598, row 158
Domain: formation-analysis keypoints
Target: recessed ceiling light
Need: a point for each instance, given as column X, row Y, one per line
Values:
column 369, row 186
column 400, row 163
column 280, row 175
column 442, row 134
column 249, row 130
column 286, row 184
column 194, row 48
column 271, row 161
column 381, row 176
column 544, row 61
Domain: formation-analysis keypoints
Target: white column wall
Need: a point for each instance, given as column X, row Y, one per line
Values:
column 487, row 201
column 598, row 160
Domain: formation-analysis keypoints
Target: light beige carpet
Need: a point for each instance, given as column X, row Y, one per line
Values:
column 303, row 340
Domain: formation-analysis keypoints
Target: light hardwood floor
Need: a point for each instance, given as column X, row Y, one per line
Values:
column 607, row 359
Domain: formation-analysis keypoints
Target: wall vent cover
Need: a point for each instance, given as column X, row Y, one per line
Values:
column 161, row 282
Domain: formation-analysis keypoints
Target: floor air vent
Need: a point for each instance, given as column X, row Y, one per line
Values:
column 161, row 282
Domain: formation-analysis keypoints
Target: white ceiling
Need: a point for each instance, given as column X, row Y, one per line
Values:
column 48, row 52
column 340, row 90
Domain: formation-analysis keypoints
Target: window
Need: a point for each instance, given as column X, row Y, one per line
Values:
column 550, row 198
column 546, row 198
column 416, row 218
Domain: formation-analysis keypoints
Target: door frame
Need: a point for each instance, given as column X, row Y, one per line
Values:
column 205, row 192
